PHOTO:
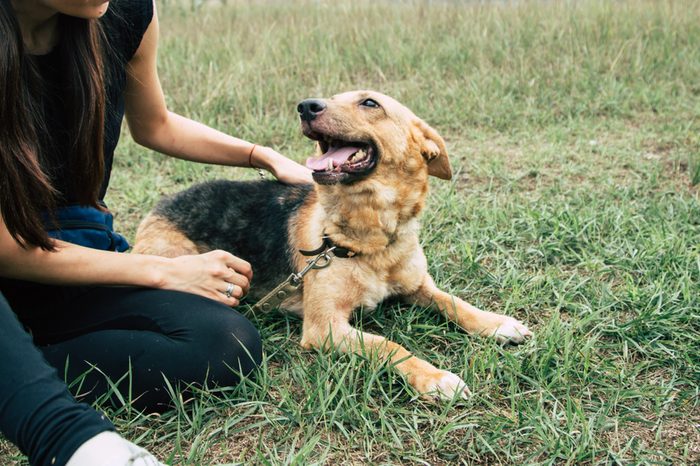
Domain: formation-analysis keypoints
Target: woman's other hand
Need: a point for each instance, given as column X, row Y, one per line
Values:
column 210, row 275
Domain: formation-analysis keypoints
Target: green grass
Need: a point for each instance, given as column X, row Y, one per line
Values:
column 574, row 133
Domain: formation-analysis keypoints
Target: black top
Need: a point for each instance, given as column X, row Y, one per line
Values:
column 124, row 24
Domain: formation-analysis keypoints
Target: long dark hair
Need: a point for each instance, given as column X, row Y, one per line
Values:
column 25, row 188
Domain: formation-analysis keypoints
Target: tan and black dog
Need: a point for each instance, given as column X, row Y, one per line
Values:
column 371, row 176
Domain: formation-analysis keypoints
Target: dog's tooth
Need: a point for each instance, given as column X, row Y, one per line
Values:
column 330, row 164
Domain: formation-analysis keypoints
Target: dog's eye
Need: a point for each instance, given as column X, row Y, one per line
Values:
column 369, row 103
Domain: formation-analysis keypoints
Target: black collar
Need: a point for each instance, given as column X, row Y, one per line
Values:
column 338, row 251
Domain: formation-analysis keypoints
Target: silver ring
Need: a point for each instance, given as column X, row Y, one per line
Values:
column 229, row 290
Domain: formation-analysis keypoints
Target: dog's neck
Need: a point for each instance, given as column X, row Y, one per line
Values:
column 370, row 216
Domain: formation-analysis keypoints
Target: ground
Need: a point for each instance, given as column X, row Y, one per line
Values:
column 574, row 135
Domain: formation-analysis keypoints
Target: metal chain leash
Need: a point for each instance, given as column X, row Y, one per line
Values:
column 285, row 289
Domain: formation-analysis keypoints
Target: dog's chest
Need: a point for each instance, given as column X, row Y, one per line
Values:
column 352, row 283
column 350, row 286
column 372, row 289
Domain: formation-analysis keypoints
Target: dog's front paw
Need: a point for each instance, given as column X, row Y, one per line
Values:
column 443, row 385
column 511, row 330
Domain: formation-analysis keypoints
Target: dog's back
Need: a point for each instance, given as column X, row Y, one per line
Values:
column 246, row 218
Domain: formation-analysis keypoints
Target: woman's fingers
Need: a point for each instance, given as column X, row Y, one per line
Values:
column 229, row 289
column 240, row 271
column 284, row 169
column 237, row 281
column 239, row 265
column 230, row 302
column 220, row 293
column 240, row 281
column 218, row 275
column 222, row 298
column 234, row 263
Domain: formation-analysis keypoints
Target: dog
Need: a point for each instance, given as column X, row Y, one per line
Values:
column 374, row 157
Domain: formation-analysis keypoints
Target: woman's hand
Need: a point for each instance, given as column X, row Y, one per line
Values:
column 209, row 275
column 285, row 170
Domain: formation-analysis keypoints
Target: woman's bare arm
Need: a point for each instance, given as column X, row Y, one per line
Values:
column 153, row 126
column 205, row 274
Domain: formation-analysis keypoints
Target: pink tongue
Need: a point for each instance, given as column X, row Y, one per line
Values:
column 338, row 155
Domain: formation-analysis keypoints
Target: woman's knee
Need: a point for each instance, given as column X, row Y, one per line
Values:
column 231, row 343
column 241, row 339
column 206, row 340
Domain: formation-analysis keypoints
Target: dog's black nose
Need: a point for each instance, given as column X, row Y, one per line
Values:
column 310, row 108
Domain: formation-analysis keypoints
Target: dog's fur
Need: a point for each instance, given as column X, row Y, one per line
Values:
column 374, row 215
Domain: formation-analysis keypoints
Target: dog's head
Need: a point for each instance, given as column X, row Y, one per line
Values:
column 364, row 132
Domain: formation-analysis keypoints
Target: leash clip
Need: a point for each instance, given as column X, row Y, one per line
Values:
column 321, row 261
column 285, row 289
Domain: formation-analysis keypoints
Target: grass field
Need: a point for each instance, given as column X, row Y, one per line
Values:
column 574, row 132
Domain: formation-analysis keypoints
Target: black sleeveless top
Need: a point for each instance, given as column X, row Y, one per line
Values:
column 124, row 24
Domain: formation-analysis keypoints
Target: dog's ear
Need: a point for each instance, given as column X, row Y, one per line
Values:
column 432, row 147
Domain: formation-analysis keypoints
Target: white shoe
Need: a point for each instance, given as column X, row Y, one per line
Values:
column 111, row 449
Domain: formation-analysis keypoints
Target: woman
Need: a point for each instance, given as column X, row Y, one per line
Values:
column 69, row 71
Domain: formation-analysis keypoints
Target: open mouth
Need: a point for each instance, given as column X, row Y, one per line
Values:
column 341, row 161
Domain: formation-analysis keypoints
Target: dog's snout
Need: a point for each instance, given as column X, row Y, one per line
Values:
column 309, row 109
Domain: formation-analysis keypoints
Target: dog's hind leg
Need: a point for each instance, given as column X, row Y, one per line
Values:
column 322, row 330
column 472, row 319
column 159, row 237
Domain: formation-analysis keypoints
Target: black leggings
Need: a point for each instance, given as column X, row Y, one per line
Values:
column 154, row 334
